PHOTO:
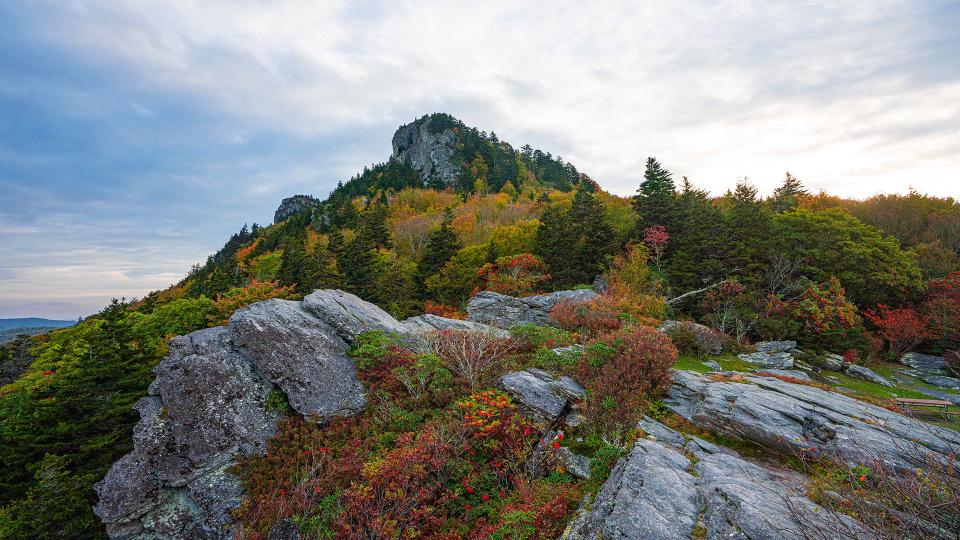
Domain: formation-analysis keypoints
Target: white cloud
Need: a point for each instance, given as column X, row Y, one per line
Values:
column 856, row 98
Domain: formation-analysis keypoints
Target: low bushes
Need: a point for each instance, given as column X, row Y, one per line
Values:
column 473, row 356
column 621, row 371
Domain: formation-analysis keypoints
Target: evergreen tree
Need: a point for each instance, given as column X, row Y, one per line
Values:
column 748, row 233
column 695, row 242
column 655, row 198
column 785, row 198
column 442, row 245
column 552, row 243
column 574, row 244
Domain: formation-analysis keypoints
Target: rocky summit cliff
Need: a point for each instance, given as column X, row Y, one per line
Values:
column 428, row 145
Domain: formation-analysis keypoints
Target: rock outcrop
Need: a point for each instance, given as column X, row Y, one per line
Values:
column 540, row 395
column 867, row 374
column 429, row 148
column 657, row 492
column 424, row 325
column 208, row 406
column 292, row 206
column 505, row 311
column 794, row 418
column 771, row 354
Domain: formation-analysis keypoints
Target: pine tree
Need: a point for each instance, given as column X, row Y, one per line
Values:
column 594, row 238
column 655, row 198
column 786, row 197
column 442, row 245
column 552, row 242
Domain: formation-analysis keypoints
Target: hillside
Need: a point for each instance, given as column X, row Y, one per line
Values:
column 452, row 212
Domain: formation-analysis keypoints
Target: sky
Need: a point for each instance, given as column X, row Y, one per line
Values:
column 136, row 136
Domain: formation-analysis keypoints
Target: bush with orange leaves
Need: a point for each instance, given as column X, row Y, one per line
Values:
column 518, row 275
column 621, row 371
column 443, row 310
column 234, row 299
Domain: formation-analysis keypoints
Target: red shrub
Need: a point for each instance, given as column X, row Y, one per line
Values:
column 902, row 328
column 851, row 357
column 591, row 318
column 400, row 495
column 443, row 310
column 519, row 275
column 621, row 371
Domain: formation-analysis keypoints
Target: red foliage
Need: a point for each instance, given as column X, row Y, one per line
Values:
column 592, row 318
column 401, row 495
column 622, row 370
column 851, row 357
column 537, row 512
column 657, row 238
column 443, row 310
column 519, row 275
column 902, row 328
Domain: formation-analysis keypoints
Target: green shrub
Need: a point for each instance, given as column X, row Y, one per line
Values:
column 531, row 336
column 370, row 347
column 277, row 402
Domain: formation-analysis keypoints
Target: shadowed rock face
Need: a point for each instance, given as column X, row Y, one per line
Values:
column 207, row 407
column 789, row 417
column 293, row 205
column 505, row 311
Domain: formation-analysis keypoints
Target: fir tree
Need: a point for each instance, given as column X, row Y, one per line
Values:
column 442, row 245
column 655, row 198
column 748, row 232
column 695, row 242
column 786, row 197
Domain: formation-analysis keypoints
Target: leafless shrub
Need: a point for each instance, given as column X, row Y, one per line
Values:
column 472, row 355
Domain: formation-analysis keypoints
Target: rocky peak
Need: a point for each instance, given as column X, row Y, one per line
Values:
column 293, row 205
column 427, row 144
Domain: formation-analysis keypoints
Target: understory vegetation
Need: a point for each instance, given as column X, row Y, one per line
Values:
column 438, row 451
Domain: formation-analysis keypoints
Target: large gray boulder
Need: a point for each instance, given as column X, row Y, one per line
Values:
column 207, row 408
column 925, row 364
column 428, row 148
column 540, row 395
column 793, row 418
column 302, row 354
column 427, row 324
column 772, row 347
column 505, row 311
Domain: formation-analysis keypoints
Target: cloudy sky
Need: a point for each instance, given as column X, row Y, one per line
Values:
column 135, row 136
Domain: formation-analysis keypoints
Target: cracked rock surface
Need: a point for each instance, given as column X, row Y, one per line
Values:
column 207, row 407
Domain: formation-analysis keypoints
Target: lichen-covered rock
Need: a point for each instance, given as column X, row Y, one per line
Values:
column 349, row 315
column 292, row 206
column 832, row 362
column 771, row 347
column 207, row 407
column 505, row 311
column 539, row 394
column 790, row 417
column 775, row 360
column 926, row 364
column 321, row 381
column 424, row 325
column 943, row 382
column 430, row 151
column 867, row 374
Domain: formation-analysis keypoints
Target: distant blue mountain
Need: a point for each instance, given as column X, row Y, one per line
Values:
column 33, row 322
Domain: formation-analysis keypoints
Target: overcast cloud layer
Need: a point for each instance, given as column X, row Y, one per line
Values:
column 136, row 136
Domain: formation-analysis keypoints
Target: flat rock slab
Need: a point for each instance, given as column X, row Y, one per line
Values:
column 793, row 418
column 505, row 311
column 539, row 394
column 657, row 493
column 424, row 325
column 943, row 382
